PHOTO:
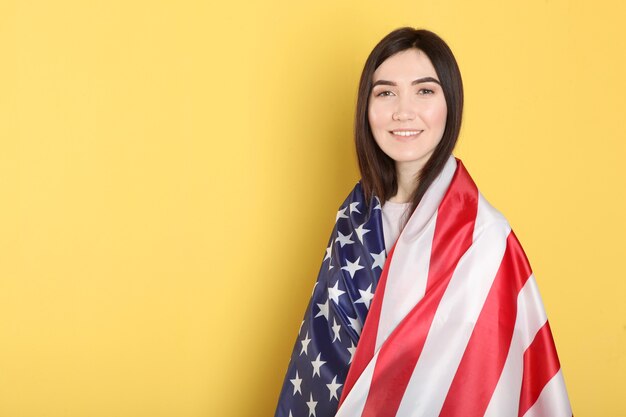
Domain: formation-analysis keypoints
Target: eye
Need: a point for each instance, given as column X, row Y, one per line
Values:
column 385, row 93
column 425, row 91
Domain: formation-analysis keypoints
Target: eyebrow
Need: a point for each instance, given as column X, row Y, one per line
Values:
column 414, row 82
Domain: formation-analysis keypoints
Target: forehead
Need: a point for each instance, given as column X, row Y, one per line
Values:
column 406, row 65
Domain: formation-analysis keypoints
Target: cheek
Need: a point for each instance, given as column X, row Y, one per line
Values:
column 375, row 114
column 437, row 116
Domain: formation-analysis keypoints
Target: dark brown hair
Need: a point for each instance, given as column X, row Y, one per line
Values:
column 378, row 173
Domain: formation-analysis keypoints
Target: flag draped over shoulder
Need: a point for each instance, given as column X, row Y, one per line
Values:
column 340, row 302
column 456, row 327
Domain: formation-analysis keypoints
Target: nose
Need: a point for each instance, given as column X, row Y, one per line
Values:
column 404, row 111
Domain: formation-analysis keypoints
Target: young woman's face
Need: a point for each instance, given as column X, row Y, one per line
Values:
column 407, row 109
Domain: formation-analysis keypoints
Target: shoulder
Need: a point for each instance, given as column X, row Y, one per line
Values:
column 356, row 195
column 492, row 231
column 492, row 225
column 357, row 208
column 487, row 216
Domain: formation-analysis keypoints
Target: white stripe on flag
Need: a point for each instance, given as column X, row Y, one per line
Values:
column 406, row 281
column 455, row 317
column 553, row 400
column 354, row 403
column 530, row 318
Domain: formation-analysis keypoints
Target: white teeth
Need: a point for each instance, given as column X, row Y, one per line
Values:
column 406, row 132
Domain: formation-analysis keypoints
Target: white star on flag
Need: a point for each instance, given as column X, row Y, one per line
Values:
column 296, row 384
column 353, row 207
column 333, row 387
column 323, row 310
column 343, row 239
column 366, row 296
column 355, row 324
column 351, row 349
column 352, row 267
column 334, row 292
column 379, row 259
column 360, row 232
column 317, row 364
column 312, row 404
column 329, row 252
column 305, row 344
column 341, row 214
column 336, row 328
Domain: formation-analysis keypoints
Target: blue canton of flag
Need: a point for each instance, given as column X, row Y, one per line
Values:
column 336, row 312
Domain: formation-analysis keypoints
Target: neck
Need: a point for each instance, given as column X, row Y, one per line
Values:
column 406, row 175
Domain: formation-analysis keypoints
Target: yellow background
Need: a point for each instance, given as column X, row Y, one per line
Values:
column 170, row 173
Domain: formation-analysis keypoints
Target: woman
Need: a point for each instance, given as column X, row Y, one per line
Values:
column 455, row 325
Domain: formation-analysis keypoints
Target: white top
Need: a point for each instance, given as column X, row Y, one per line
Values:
column 393, row 221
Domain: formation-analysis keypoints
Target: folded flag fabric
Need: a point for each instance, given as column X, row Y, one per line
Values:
column 450, row 323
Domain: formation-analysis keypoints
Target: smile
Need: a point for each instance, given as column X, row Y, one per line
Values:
column 406, row 133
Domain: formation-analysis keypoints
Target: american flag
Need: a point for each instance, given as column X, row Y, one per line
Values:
column 457, row 326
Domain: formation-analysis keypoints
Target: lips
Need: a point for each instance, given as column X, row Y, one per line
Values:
column 406, row 133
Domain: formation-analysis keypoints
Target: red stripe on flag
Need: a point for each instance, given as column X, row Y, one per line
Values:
column 541, row 363
column 488, row 347
column 454, row 230
column 367, row 342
